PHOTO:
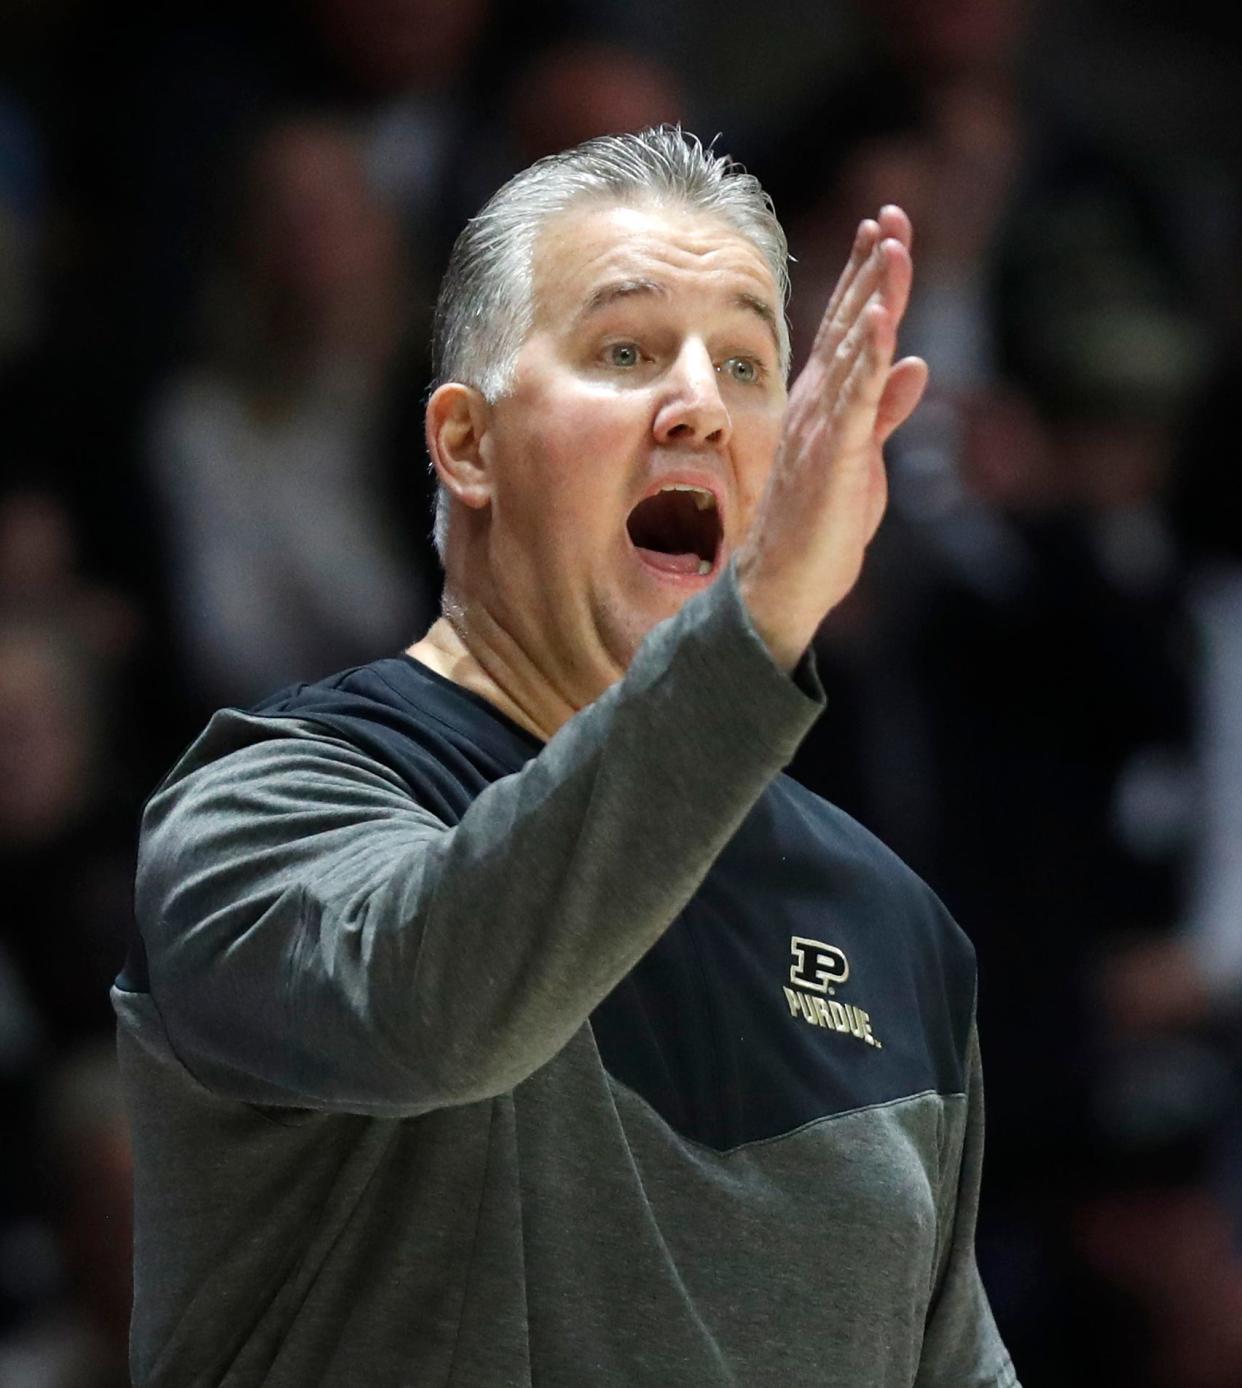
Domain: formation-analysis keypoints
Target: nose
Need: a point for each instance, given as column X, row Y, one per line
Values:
column 691, row 408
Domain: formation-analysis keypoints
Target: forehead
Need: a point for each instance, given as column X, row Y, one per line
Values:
column 585, row 250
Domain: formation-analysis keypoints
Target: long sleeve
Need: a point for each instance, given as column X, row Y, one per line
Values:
column 316, row 938
column 961, row 1346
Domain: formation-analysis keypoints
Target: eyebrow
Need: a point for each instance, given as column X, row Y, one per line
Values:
column 619, row 289
column 762, row 308
column 614, row 290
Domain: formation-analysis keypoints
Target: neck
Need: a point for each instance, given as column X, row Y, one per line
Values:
column 470, row 648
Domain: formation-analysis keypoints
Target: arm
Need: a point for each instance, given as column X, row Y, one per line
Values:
column 961, row 1345
column 317, row 939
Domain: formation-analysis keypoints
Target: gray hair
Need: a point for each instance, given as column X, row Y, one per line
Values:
column 485, row 308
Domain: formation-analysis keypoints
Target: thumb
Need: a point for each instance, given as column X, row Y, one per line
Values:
column 903, row 390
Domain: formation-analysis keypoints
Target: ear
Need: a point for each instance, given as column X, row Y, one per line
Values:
column 457, row 420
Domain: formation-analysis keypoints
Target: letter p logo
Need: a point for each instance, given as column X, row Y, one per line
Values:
column 816, row 964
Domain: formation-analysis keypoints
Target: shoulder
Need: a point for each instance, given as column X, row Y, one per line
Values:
column 377, row 729
column 262, row 793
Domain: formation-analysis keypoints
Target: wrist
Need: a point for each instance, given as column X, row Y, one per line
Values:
column 769, row 614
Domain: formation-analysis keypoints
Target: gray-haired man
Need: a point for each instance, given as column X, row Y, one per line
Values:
column 503, row 1016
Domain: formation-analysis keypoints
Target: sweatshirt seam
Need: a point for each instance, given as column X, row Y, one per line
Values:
column 321, row 724
column 930, row 1092
column 825, row 1118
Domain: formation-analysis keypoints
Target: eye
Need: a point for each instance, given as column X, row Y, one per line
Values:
column 744, row 369
column 623, row 354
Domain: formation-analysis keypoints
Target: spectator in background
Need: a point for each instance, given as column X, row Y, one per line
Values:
column 41, row 577
column 81, row 1338
column 65, row 851
column 578, row 87
column 573, row 85
column 263, row 454
column 402, row 72
column 66, row 869
column 1173, row 997
column 1193, row 976
column 402, row 75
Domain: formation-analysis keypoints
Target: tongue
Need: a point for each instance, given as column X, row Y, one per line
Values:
column 670, row 563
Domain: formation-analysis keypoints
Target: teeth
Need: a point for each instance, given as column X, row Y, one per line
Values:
column 705, row 566
column 703, row 499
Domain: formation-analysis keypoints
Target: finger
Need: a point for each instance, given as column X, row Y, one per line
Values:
column 865, row 241
column 875, row 321
column 846, row 306
column 838, row 347
column 866, row 263
column 896, row 275
column 862, row 369
column 887, row 269
column 894, row 223
column 903, row 390
column 877, row 340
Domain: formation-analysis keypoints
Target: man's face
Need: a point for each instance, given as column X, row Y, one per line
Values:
column 628, row 459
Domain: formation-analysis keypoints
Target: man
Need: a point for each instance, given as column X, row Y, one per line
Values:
column 504, row 1016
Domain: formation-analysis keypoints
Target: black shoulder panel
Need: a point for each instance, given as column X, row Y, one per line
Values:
column 445, row 743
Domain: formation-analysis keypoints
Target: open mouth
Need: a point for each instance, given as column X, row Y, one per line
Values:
column 677, row 529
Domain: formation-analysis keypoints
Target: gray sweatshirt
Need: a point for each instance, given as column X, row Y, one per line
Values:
column 454, row 1058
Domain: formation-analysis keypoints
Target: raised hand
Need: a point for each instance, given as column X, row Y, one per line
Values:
column 827, row 490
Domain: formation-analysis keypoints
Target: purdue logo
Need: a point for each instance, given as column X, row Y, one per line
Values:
column 817, row 966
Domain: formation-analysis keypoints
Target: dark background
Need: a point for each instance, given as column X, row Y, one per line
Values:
column 221, row 228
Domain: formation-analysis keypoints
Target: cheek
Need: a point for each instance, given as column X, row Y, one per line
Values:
column 579, row 464
column 564, row 485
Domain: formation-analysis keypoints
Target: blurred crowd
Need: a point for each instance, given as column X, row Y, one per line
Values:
column 221, row 230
